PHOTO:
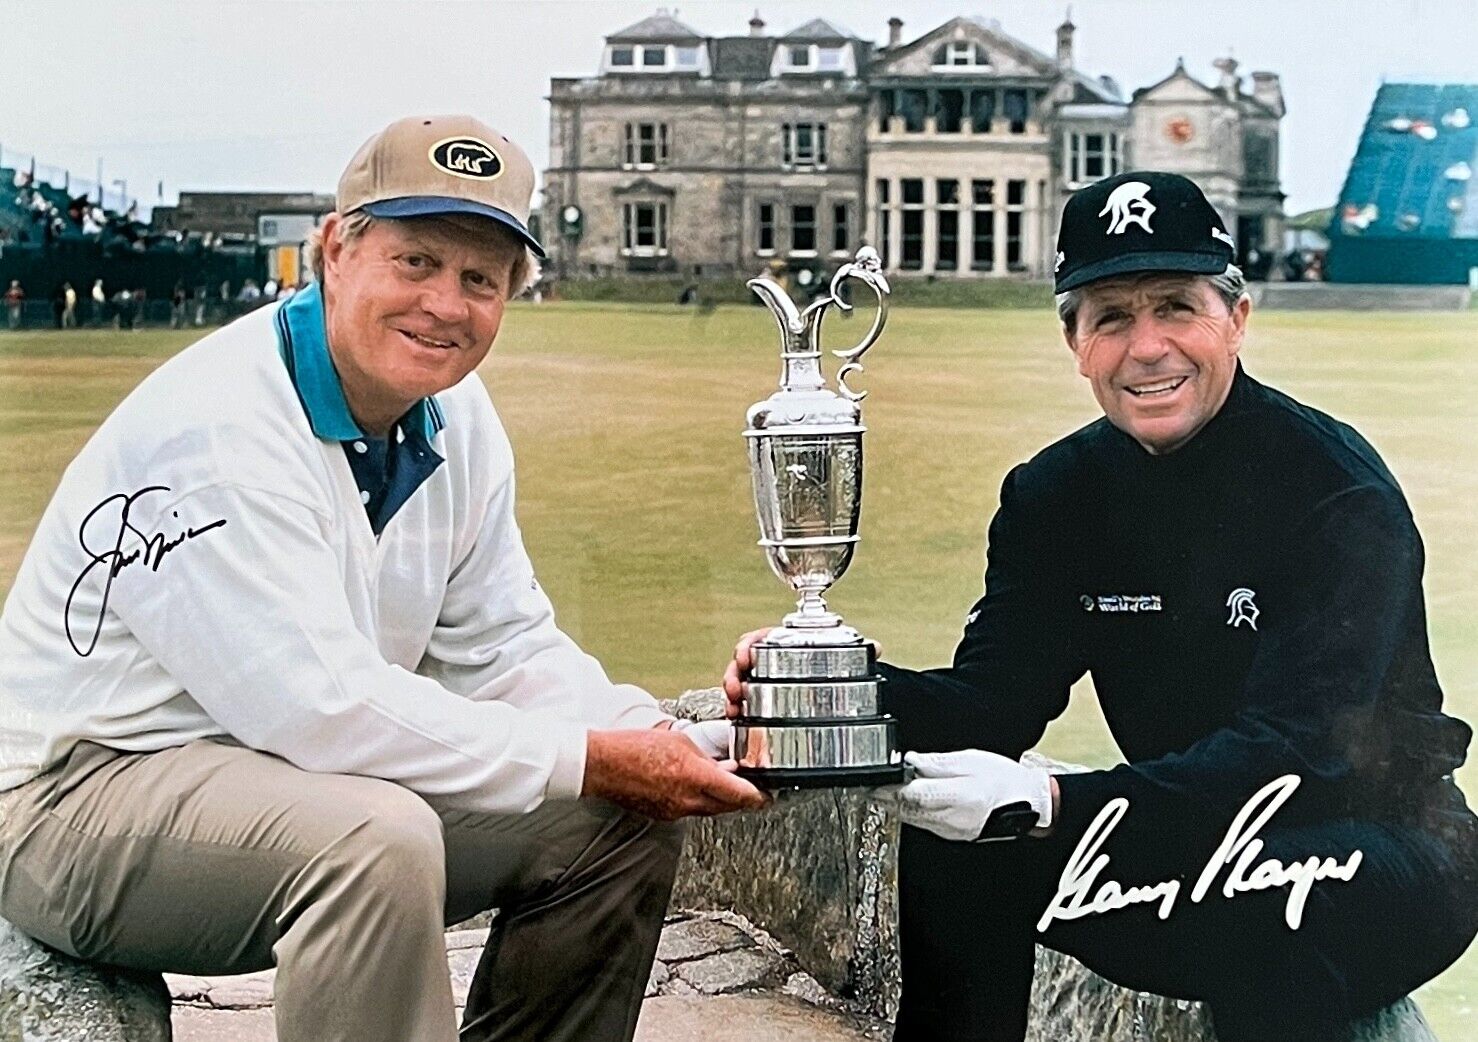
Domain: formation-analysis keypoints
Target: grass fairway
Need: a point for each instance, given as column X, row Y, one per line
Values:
column 635, row 498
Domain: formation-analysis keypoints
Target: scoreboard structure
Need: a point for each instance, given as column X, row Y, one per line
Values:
column 1408, row 212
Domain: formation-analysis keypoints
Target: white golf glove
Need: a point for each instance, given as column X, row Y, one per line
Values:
column 953, row 794
column 714, row 738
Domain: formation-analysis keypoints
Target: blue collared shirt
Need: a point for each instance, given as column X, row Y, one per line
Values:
column 387, row 470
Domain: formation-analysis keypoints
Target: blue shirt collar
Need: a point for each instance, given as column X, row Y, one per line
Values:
column 303, row 341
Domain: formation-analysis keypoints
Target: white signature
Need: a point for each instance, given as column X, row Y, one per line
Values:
column 1072, row 900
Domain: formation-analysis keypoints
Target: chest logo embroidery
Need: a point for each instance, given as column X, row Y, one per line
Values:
column 1113, row 603
column 1240, row 601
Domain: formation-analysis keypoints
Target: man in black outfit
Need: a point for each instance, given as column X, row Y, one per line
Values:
column 1241, row 575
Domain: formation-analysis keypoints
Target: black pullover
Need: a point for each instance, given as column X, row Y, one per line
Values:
column 1106, row 559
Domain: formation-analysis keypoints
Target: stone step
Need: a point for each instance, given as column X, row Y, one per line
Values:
column 705, row 960
column 666, row 1018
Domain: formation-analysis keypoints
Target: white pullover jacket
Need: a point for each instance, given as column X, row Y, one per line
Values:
column 207, row 568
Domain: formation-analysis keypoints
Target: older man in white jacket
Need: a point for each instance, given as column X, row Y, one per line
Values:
column 277, row 683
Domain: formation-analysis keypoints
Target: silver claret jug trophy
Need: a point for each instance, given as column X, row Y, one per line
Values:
column 811, row 715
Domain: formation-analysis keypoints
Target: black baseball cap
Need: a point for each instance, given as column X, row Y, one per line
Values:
column 1143, row 220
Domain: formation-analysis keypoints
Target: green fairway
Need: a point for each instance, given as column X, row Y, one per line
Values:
column 635, row 499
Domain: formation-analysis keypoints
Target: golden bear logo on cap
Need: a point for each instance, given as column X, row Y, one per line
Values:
column 466, row 157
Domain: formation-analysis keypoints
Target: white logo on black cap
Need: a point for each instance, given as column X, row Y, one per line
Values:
column 466, row 157
column 1217, row 233
column 1128, row 204
column 1060, row 258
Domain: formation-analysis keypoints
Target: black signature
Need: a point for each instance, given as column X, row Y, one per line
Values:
column 151, row 554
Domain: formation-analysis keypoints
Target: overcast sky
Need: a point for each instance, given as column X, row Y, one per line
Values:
column 277, row 94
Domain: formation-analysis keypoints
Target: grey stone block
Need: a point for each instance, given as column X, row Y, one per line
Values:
column 46, row 996
column 743, row 970
column 659, row 976
column 699, row 937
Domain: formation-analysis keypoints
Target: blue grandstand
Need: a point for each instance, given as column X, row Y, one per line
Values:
column 1409, row 209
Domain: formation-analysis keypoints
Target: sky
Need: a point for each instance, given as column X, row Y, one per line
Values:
column 277, row 94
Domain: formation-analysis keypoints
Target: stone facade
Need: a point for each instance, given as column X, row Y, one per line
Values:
column 952, row 153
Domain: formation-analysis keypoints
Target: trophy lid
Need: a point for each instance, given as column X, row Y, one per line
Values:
column 819, row 410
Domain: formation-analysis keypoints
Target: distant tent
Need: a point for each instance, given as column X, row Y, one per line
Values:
column 1311, row 220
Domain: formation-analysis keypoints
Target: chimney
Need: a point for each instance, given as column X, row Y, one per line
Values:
column 895, row 31
column 1231, row 83
column 1065, row 42
column 1267, row 89
column 756, row 25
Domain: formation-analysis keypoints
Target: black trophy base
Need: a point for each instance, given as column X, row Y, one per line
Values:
column 774, row 778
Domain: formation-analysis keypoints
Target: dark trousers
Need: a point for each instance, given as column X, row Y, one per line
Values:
column 968, row 915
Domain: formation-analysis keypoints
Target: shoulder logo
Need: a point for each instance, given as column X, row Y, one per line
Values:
column 1240, row 601
column 1217, row 233
column 1128, row 204
column 466, row 157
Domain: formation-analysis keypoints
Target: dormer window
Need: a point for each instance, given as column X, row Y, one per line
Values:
column 961, row 54
column 656, row 58
column 810, row 57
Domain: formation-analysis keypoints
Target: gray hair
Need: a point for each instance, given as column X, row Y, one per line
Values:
column 522, row 273
column 1230, row 286
column 354, row 224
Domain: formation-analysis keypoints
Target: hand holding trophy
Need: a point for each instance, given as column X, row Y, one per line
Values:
column 811, row 715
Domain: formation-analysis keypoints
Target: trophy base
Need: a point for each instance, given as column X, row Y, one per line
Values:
column 773, row 778
column 815, row 753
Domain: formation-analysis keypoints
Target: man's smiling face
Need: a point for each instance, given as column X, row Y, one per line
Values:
column 1160, row 351
column 412, row 307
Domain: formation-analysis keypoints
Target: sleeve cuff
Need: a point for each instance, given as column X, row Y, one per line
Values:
column 1084, row 794
column 567, row 776
column 641, row 711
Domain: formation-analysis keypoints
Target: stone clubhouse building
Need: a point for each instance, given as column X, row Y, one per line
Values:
column 952, row 153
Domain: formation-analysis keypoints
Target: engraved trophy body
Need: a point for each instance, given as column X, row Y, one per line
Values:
column 811, row 714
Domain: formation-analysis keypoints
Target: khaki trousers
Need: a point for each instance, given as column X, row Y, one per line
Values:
column 211, row 858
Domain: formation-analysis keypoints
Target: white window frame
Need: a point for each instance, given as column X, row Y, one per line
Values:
column 790, row 156
column 830, row 59
column 760, row 225
column 1077, row 156
column 635, row 141
column 963, row 54
column 672, row 54
column 629, row 245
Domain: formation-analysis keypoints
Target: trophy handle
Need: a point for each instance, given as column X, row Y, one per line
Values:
column 867, row 268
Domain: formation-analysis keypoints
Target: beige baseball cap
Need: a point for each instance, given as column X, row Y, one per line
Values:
column 425, row 165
